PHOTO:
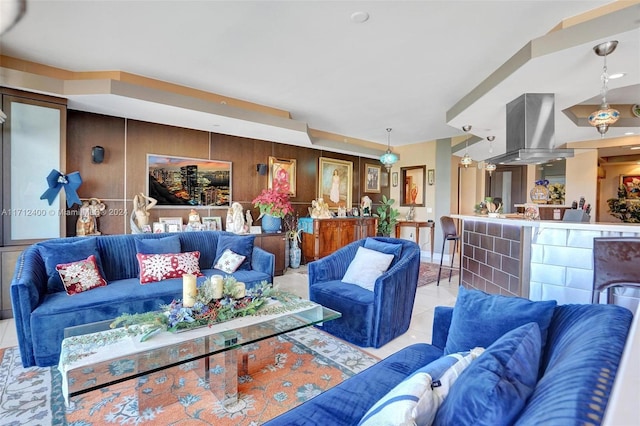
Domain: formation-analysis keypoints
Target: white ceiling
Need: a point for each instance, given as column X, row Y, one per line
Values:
column 404, row 68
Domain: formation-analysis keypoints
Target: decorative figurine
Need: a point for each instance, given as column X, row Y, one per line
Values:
column 319, row 209
column 140, row 217
column 365, row 204
column 88, row 214
column 235, row 219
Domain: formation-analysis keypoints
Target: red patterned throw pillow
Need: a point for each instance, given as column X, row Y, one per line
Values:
column 80, row 276
column 158, row 267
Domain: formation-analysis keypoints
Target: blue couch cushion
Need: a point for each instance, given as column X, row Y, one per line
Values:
column 384, row 247
column 60, row 251
column 163, row 245
column 495, row 387
column 479, row 319
column 240, row 244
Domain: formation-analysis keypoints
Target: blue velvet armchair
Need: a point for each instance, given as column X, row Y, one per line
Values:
column 369, row 318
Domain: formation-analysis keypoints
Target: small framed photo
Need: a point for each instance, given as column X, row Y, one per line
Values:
column 372, row 176
column 146, row 229
column 431, row 176
column 394, row 179
column 212, row 223
column 159, row 228
column 172, row 224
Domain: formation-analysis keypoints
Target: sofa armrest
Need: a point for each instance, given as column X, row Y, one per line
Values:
column 263, row 261
column 441, row 322
column 28, row 288
column 333, row 266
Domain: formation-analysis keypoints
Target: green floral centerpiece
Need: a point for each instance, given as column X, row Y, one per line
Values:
column 207, row 309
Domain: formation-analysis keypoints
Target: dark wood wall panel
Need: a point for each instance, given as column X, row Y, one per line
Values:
column 84, row 131
column 127, row 143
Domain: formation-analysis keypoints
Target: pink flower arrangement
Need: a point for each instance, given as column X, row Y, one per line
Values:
column 275, row 201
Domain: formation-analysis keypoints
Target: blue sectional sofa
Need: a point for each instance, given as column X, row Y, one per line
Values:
column 43, row 310
column 581, row 347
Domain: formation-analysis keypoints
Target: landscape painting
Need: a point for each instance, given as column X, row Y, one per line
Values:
column 183, row 182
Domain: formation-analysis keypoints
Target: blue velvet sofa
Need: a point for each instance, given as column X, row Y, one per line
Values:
column 369, row 318
column 42, row 311
column 581, row 351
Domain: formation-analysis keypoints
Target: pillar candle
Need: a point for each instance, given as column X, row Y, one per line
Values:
column 239, row 290
column 189, row 290
column 218, row 284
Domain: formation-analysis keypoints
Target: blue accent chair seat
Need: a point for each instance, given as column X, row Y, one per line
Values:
column 369, row 318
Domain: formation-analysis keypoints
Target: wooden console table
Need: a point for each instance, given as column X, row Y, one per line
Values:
column 321, row 237
column 417, row 225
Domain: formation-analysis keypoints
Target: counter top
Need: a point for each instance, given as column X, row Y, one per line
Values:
column 518, row 220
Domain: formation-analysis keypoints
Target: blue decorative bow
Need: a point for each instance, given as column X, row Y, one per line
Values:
column 57, row 181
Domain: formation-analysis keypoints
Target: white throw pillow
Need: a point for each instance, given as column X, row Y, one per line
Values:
column 229, row 262
column 366, row 267
column 415, row 400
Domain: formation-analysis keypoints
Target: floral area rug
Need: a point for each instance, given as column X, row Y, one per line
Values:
column 282, row 373
column 429, row 273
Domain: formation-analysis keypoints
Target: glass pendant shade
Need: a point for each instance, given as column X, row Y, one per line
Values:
column 603, row 118
column 466, row 160
column 490, row 167
column 388, row 158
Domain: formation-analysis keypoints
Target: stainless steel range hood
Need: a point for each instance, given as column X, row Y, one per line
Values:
column 530, row 131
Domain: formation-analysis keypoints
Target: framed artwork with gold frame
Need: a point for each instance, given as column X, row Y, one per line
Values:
column 631, row 184
column 335, row 182
column 283, row 168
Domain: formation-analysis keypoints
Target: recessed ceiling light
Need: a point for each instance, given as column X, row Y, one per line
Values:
column 629, row 133
column 617, row 75
column 359, row 17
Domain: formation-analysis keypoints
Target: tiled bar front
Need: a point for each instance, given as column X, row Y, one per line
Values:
column 492, row 257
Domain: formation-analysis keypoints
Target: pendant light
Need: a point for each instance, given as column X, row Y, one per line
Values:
column 388, row 158
column 605, row 116
column 466, row 159
column 490, row 167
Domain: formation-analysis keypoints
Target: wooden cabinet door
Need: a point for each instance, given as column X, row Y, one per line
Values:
column 276, row 244
column 328, row 237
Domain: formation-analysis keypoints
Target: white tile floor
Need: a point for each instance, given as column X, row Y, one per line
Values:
column 427, row 298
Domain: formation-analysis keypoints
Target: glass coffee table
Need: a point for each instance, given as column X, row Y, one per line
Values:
column 94, row 356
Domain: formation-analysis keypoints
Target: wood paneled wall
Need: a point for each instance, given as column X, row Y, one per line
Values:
column 123, row 172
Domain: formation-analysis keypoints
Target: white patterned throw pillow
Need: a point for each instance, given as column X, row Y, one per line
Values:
column 229, row 262
column 158, row 267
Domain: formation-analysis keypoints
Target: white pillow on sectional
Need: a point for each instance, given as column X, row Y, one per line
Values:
column 366, row 267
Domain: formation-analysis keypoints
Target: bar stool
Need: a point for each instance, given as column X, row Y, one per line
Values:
column 616, row 263
column 449, row 233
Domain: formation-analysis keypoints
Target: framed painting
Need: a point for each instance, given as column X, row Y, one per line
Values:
column 188, row 182
column 413, row 191
column 285, row 169
column 372, row 177
column 394, row 179
column 631, row 185
column 335, row 182
column 431, row 176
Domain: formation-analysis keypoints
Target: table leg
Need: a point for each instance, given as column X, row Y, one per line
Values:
column 432, row 236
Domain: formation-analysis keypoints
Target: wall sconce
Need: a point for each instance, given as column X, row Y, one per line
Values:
column 97, row 154
column 261, row 169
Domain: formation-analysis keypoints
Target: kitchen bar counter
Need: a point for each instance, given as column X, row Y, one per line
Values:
column 540, row 260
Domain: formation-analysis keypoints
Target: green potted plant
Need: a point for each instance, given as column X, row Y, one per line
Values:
column 387, row 217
